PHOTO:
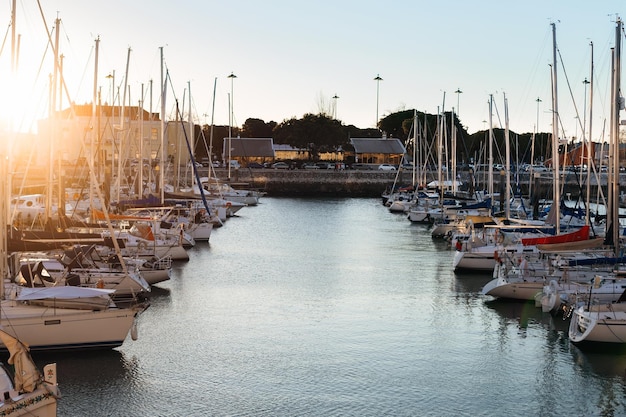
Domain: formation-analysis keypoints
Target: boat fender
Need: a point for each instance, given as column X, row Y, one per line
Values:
column 554, row 286
column 133, row 330
column 459, row 245
column 496, row 256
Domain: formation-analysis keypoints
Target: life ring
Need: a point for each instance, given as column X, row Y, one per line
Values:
column 228, row 204
column 142, row 246
column 76, row 196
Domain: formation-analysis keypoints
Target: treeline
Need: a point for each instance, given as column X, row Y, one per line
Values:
column 320, row 133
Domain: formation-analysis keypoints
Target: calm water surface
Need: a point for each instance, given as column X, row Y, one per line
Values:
column 336, row 307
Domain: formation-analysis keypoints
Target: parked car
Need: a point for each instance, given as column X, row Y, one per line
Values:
column 324, row 165
column 386, row 167
column 255, row 165
column 309, row 165
column 280, row 165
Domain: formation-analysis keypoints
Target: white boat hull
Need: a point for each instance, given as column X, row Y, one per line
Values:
column 523, row 290
column 45, row 328
column 474, row 261
column 605, row 323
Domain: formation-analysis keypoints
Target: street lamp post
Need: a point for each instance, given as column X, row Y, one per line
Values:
column 335, row 98
column 458, row 106
column 585, row 82
column 378, row 80
column 230, row 120
column 532, row 151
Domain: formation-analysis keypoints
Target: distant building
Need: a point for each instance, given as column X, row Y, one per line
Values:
column 111, row 137
column 377, row 151
column 247, row 150
column 288, row 152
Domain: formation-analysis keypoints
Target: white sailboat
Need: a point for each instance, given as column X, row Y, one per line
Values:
column 40, row 322
column 606, row 323
column 26, row 392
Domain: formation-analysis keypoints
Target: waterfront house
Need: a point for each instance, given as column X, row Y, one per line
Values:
column 377, row 151
column 246, row 150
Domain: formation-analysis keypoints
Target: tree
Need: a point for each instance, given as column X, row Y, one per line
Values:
column 203, row 144
column 395, row 124
column 317, row 133
column 257, row 128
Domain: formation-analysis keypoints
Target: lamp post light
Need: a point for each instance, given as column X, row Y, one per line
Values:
column 458, row 106
column 230, row 121
column 335, row 98
column 532, row 153
column 378, row 80
column 585, row 82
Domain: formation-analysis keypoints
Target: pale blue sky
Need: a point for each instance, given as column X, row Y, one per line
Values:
column 291, row 56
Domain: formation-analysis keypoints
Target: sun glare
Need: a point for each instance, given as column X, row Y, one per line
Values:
column 20, row 108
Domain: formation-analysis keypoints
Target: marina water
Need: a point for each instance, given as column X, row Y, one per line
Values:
column 336, row 307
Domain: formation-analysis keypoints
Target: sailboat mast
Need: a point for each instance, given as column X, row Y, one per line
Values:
column 616, row 104
column 490, row 157
column 455, row 184
column 53, row 112
column 94, row 129
column 141, row 133
column 589, row 142
column 415, row 150
column 163, row 144
column 507, row 147
column 556, row 188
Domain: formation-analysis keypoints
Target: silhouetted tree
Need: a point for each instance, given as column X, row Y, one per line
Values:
column 316, row 133
column 257, row 128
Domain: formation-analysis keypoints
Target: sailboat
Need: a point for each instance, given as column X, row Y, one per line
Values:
column 44, row 318
column 606, row 323
column 26, row 392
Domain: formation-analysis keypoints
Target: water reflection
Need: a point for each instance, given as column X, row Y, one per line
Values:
column 609, row 365
column 525, row 312
column 470, row 283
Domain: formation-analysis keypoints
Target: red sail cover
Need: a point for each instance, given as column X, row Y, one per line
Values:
column 578, row 235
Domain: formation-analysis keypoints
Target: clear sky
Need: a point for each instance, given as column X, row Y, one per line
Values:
column 293, row 57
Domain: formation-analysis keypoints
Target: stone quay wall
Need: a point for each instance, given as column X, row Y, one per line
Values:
column 372, row 183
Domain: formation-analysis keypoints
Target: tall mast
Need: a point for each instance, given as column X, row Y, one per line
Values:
column 455, row 185
column 94, row 128
column 490, row 157
column 141, row 133
column 556, row 189
column 415, row 151
column 588, row 135
column 616, row 106
column 163, row 144
column 507, row 147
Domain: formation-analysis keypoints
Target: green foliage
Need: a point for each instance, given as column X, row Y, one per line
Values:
column 257, row 128
column 316, row 133
column 395, row 124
